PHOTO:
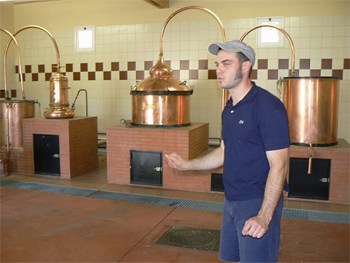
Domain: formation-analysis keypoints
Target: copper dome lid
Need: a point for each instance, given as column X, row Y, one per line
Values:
column 161, row 79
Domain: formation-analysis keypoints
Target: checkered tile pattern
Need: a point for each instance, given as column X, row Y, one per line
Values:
column 113, row 71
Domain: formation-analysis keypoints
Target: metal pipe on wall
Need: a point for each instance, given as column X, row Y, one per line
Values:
column 86, row 101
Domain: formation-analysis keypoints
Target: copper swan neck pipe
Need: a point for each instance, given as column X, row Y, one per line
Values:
column 224, row 94
column 187, row 8
column 7, row 96
column 286, row 35
column 51, row 37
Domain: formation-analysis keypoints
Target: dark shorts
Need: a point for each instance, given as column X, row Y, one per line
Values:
column 236, row 247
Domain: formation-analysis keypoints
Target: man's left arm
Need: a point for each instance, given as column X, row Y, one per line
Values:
column 279, row 165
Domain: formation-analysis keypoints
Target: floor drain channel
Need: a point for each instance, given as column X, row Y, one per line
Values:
column 290, row 213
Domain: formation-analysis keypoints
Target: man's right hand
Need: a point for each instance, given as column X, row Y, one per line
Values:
column 176, row 161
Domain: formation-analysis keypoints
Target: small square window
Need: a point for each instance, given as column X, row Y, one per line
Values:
column 269, row 36
column 84, row 38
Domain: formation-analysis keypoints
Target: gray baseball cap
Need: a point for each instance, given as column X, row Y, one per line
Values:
column 233, row 46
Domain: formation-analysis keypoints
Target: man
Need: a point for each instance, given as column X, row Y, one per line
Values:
column 254, row 155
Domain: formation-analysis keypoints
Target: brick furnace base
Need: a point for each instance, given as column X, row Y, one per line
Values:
column 77, row 144
column 189, row 141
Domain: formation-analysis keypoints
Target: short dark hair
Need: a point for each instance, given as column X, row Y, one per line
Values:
column 243, row 58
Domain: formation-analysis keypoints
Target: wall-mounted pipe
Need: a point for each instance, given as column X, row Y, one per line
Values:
column 86, row 101
column 39, row 107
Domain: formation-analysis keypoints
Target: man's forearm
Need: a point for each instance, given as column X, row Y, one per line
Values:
column 273, row 191
column 211, row 160
column 274, row 186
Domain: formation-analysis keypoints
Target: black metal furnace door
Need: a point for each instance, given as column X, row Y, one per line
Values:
column 146, row 168
column 310, row 186
column 46, row 154
column 217, row 183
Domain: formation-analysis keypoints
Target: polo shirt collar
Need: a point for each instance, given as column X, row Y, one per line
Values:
column 248, row 97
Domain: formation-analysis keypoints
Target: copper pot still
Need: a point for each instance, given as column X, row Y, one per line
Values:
column 157, row 108
column 11, row 114
column 312, row 105
column 59, row 104
column 161, row 99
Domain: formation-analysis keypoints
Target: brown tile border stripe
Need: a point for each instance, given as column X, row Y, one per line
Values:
column 346, row 63
column 83, row 67
column 326, row 63
column 262, row 64
column 112, row 70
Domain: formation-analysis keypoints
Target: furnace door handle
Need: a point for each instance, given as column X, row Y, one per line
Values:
column 324, row 180
column 56, row 155
column 158, row 169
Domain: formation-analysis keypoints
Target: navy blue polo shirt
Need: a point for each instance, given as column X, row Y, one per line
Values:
column 256, row 124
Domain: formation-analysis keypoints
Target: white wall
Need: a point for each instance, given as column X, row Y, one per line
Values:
column 316, row 36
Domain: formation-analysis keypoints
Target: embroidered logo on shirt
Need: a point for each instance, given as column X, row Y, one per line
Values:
column 241, row 122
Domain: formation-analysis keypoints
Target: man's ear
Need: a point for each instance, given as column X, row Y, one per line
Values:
column 246, row 66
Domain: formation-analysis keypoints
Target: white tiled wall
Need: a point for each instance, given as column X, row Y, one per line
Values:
column 315, row 38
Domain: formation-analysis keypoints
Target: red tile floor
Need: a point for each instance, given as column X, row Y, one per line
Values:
column 38, row 226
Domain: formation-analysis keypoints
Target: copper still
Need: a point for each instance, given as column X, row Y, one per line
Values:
column 59, row 105
column 161, row 99
column 312, row 105
column 13, row 111
column 11, row 114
